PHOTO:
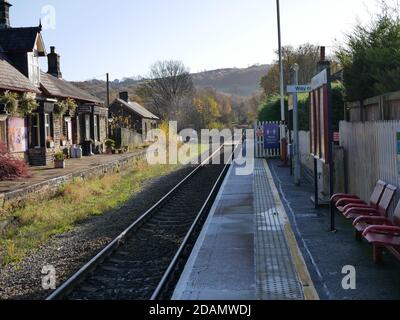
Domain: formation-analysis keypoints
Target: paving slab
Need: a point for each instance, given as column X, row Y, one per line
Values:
column 42, row 174
column 326, row 253
column 243, row 252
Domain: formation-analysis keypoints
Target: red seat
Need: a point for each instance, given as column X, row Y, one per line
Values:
column 381, row 210
column 383, row 237
column 362, row 223
column 345, row 202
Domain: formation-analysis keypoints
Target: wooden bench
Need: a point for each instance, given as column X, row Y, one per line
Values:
column 385, row 235
column 353, row 212
column 343, row 202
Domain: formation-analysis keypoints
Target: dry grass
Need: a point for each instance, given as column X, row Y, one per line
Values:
column 76, row 202
column 38, row 221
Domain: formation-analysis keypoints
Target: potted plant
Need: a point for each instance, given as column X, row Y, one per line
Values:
column 49, row 143
column 126, row 149
column 110, row 145
column 27, row 104
column 59, row 160
column 10, row 99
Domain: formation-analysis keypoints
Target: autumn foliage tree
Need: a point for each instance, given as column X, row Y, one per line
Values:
column 211, row 110
column 306, row 56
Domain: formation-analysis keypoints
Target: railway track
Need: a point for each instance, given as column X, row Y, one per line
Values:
column 146, row 260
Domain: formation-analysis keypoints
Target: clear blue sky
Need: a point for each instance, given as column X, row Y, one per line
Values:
column 125, row 37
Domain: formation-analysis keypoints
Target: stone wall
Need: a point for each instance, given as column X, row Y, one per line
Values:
column 41, row 156
column 49, row 188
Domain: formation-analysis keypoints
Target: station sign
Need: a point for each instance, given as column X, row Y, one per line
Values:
column 299, row 88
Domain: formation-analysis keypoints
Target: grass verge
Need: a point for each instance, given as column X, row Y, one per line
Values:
column 36, row 222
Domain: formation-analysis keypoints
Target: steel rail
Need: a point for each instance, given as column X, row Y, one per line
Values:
column 75, row 279
column 182, row 251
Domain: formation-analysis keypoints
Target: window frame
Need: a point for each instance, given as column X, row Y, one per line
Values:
column 34, row 68
column 47, row 126
column 87, row 121
column 96, row 127
column 36, row 131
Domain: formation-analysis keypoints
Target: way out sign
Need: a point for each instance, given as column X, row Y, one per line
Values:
column 298, row 88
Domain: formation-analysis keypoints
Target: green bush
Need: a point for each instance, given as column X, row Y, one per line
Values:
column 110, row 144
column 371, row 57
column 270, row 109
column 59, row 156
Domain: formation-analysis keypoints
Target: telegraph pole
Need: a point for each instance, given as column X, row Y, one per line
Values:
column 108, row 90
column 108, row 104
column 284, row 140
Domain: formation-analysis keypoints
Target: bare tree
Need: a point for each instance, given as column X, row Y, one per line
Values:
column 167, row 89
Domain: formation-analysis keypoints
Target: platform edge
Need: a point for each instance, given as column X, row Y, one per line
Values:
column 310, row 293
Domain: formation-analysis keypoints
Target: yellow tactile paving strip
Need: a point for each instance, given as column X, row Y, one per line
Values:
column 300, row 266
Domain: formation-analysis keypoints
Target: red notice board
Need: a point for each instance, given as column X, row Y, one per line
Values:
column 319, row 115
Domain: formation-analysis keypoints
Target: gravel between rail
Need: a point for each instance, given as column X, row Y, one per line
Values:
column 68, row 252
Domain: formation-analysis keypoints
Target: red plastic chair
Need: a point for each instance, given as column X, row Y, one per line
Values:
column 363, row 222
column 382, row 209
column 385, row 235
column 346, row 202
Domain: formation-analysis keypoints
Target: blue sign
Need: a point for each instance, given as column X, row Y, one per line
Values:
column 271, row 136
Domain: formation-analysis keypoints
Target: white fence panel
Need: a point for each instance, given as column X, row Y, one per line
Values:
column 370, row 155
column 260, row 151
column 306, row 158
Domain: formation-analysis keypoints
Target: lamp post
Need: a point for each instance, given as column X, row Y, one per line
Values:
column 282, row 92
column 297, row 172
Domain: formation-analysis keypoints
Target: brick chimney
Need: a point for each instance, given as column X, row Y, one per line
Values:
column 53, row 61
column 323, row 63
column 5, row 14
column 124, row 96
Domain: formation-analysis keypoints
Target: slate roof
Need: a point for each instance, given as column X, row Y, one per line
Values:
column 12, row 79
column 138, row 109
column 18, row 39
column 60, row 88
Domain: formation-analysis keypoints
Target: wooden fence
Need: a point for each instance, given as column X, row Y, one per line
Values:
column 379, row 108
column 125, row 137
column 260, row 151
column 306, row 158
column 370, row 154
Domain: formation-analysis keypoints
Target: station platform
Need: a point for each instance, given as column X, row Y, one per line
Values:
column 247, row 249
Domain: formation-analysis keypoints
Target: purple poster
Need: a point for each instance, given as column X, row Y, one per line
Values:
column 17, row 135
column 271, row 136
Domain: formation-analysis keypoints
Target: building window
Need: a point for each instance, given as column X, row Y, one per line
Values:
column 87, row 127
column 67, row 131
column 96, row 127
column 35, row 131
column 34, row 68
column 47, row 125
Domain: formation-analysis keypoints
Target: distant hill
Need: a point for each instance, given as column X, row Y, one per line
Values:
column 241, row 82
column 235, row 81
